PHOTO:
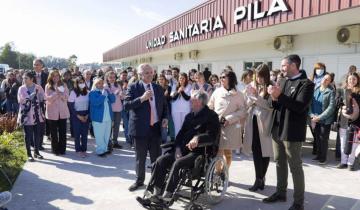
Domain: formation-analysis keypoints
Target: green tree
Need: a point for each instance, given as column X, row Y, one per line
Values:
column 25, row 60
column 9, row 56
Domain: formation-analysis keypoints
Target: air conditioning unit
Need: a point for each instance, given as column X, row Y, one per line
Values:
column 194, row 54
column 283, row 43
column 178, row 56
column 348, row 34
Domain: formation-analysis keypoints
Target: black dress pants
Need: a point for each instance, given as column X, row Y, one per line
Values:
column 58, row 136
column 322, row 133
column 167, row 163
column 151, row 142
column 261, row 163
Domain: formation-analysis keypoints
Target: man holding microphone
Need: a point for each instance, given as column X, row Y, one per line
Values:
column 147, row 108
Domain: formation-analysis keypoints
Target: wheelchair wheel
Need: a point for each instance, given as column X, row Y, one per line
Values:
column 216, row 180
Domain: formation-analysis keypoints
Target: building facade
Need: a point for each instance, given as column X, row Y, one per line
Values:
column 244, row 33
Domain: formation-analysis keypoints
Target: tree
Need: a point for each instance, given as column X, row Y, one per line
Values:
column 25, row 60
column 56, row 62
column 9, row 56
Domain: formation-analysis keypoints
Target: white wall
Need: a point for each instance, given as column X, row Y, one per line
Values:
column 312, row 47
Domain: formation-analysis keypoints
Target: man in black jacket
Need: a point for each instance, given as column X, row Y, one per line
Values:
column 291, row 101
column 200, row 126
column 41, row 79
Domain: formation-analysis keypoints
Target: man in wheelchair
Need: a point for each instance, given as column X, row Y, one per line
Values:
column 199, row 135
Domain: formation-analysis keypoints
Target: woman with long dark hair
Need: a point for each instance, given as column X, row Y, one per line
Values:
column 57, row 111
column 349, row 117
column 163, row 82
column 257, row 138
column 79, row 109
column 180, row 105
column 30, row 97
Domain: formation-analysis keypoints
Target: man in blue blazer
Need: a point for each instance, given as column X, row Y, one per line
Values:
column 147, row 108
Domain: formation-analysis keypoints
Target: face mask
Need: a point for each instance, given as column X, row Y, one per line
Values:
column 273, row 78
column 319, row 72
column 82, row 86
column 168, row 77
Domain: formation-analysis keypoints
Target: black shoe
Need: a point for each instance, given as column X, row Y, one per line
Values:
column 315, row 159
column 145, row 202
column 117, row 146
column 259, row 184
column 108, row 152
column 135, row 186
column 41, row 148
column 297, row 207
column 351, row 168
column 341, row 166
column 31, row 159
column 38, row 156
column 274, row 198
column 102, row 155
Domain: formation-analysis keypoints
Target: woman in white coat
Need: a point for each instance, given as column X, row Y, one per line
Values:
column 180, row 105
column 230, row 105
column 257, row 135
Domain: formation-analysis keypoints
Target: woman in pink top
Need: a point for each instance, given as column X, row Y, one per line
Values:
column 115, row 88
column 57, row 111
column 30, row 96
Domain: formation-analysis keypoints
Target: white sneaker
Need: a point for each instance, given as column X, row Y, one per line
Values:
column 5, row 197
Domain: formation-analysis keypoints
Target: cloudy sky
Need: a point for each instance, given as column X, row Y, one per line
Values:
column 86, row 28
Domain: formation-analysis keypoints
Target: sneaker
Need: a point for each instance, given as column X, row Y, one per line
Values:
column 5, row 197
column 341, row 166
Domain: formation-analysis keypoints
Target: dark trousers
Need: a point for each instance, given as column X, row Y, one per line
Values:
column 116, row 127
column 185, row 162
column 322, row 133
column 32, row 135
column 58, row 136
column 143, row 144
column 286, row 152
column 261, row 163
column 337, row 146
column 80, row 133
column 41, row 133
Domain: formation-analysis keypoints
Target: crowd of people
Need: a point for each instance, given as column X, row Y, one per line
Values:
column 262, row 112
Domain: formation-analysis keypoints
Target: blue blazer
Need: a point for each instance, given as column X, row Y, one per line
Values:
column 139, row 115
column 97, row 105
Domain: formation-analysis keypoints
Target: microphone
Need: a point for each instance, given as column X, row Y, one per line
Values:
column 148, row 87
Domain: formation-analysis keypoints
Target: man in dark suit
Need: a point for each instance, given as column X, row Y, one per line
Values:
column 291, row 101
column 147, row 108
column 200, row 126
column 41, row 79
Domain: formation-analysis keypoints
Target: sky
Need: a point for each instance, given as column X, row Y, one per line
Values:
column 86, row 28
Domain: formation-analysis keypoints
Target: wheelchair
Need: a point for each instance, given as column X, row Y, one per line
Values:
column 209, row 177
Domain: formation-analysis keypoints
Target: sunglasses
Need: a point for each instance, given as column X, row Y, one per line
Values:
column 222, row 77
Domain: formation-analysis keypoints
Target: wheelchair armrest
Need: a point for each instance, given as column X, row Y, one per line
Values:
column 205, row 144
column 168, row 145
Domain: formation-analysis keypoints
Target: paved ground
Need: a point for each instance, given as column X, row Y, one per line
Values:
column 72, row 183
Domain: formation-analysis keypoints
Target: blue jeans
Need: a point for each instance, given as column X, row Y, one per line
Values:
column 125, row 117
column 102, row 131
column 80, row 134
